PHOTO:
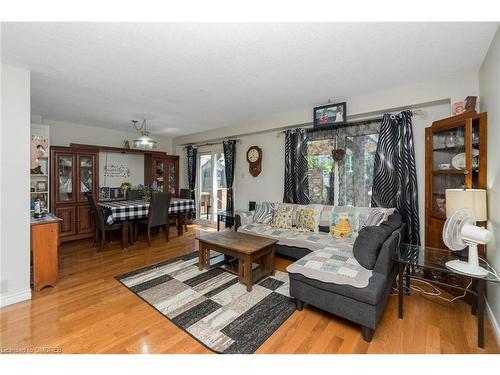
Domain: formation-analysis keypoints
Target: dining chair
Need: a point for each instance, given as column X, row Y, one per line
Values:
column 185, row 194
column 100, row 223
column 157, row 214
column 135, row 195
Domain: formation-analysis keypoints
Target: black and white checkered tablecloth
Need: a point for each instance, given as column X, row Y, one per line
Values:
column 127, row 210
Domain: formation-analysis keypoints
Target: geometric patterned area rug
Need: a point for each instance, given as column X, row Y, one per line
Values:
column 211, row 305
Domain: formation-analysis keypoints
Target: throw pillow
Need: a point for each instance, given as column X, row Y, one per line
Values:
column 368, row 244
column 264, row 213
column 375, row 217
column 392, row 223
column 343, row 224
column 308, row 219
column 283, row 217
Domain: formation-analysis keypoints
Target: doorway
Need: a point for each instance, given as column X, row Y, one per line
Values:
column 211, row 186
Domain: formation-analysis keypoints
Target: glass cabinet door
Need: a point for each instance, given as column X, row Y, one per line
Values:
column 159, row 169
column 85, row 176
column 65, row 174
column 451, row 163
column 172, row 178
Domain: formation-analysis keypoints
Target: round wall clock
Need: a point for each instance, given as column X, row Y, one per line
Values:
column 254, row 158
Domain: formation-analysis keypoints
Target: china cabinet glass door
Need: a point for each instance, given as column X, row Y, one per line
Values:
column 455, row 162
column 85, row 176
column 159, row 173
column 172, row 178
column 65, row 173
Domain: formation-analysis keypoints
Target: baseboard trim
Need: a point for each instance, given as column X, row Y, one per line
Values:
column 6, row 300
column 494, row 323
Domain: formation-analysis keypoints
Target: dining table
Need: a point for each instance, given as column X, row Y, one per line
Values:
column 128, row 210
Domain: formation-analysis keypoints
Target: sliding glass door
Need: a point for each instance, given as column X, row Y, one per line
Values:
column 211, row 184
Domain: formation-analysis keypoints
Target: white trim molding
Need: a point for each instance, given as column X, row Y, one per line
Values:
column 494, row 323
column 6, row 300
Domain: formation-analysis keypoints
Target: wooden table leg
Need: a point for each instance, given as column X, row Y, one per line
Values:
column 125, row 228
column 201, row 256
column 480, row 313
column 240, row 271
column 247, row 273
column 401, row 293
column 269, row 262
column 180, row 224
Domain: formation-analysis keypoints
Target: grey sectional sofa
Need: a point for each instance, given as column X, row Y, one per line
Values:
column 363, row 306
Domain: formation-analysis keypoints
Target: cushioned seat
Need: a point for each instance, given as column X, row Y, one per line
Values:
column 372, row 294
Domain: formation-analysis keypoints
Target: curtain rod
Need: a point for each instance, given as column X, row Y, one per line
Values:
column 211, row 143
column 417, row 112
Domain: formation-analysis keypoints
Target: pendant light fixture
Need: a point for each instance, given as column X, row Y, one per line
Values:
column 144, row 141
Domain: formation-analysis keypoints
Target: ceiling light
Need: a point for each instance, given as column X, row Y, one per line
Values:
column 144, row 141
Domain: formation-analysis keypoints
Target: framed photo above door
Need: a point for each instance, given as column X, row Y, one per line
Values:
column 330, row 114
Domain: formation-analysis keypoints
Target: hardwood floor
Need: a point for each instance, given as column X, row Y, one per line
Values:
column 90, row 312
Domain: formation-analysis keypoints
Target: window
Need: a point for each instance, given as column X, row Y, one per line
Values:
column 348, row 182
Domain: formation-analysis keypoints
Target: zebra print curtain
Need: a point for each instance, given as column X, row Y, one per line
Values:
column 296, row 180
column 191, row 170
column 229, row 160
column 395, row 175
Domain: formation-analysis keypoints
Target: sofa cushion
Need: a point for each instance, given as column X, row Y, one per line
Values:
column 368, row 243
column 371, row 294
column 296, row 238
column 308, row 219
column 344, row 224
column 392, row 223
column 283, row 217
column 264, row 213
column 332, row 265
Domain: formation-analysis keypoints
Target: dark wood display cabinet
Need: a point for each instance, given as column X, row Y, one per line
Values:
column 455, row 157
column 163, row 169
column 73, row 174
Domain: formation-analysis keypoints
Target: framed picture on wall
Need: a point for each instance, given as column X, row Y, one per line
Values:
column 41, row 186
column 116, row 193
column 330, row 114
column 103, row 193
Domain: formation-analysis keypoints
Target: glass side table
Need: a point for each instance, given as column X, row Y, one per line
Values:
column 412, row 257
column 226, row 217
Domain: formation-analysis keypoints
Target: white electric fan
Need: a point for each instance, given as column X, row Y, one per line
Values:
column 459, row 231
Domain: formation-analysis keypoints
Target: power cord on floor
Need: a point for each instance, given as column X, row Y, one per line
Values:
column 436, row 293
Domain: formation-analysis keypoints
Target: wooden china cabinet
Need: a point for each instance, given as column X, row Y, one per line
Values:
column 163, row 169
column 74, row 172
column 455, row 157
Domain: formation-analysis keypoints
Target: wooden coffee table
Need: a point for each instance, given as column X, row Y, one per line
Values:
column 245, row 249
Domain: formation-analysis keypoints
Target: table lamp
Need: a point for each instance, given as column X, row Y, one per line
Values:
column 473, row 199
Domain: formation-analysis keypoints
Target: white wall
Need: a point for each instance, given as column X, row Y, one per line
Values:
column 133, row 162
column 15, row 186
column 64, row 133
column 489, row 90
column 453, row 88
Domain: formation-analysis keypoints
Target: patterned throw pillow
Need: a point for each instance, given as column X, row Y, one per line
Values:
column 264, row 213
column 344, row 224
column 308, row 219
column 283, row 217
column 377, row 215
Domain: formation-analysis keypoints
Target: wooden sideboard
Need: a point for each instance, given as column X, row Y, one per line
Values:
column 44, row 248
column 73, row 174
column 163, row 169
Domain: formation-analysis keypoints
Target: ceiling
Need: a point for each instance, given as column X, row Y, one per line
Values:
column 193, row 77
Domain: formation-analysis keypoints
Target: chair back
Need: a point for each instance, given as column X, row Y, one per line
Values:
column 185, row 194
column 158, row 209
column 97, row 211
column 135, row 195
